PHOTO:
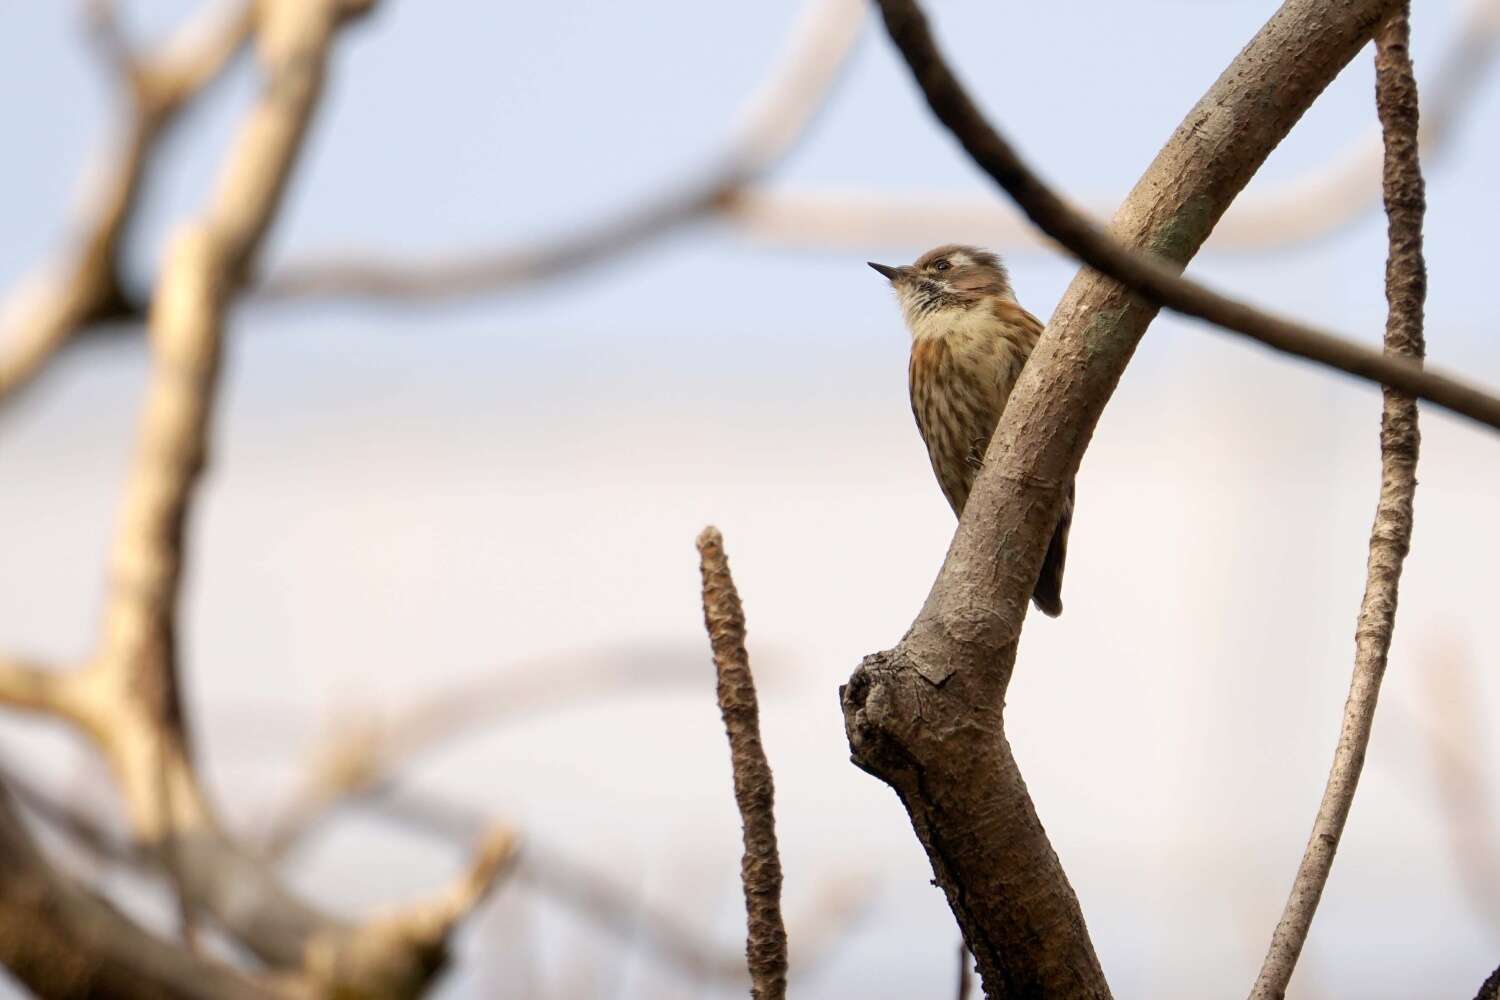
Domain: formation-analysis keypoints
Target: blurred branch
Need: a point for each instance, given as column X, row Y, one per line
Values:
column 61, row 940
column 1390, row 538
column 37, row 688
column 760, row 869
column 1149, row 273
column 769, row 127
column 83, row 286
column 360, row 754
column 128, row 697
column 595, row 898
column 1300, row 210
column 927, row 717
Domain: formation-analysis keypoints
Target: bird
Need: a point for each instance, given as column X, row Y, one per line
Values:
column 970, row 339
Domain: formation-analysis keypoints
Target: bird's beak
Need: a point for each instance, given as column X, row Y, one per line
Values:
column 895, row 274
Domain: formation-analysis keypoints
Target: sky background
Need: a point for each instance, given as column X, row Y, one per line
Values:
column 402, row 499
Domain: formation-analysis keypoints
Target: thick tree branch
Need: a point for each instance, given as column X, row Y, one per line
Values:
column 1390, row 538
column 760, row 869
column 83, row 287
column 927, row 716
column 1155, row 275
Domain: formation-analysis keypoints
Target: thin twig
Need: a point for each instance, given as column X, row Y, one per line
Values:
column 760, row 869
column 611, row 907
column 965, row 971
column 1390, row 539
column 1142, row 273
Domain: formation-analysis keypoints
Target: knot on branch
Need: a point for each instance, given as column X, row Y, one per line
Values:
column 899, row 709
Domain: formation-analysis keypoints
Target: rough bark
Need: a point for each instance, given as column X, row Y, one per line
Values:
column 927, row 716
column 760, row 868
column 1390, row 538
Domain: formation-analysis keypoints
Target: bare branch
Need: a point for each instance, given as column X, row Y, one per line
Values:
column 770, row 125
column 62, row 941
column 927, row 717
column 53, row 305
column 1154, row 276
column 760, row 870
column 1406, row 290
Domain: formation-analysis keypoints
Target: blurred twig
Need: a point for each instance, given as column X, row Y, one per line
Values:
column 1390, row 538
column 1282, row 214
column 760, row 869
column 127, row 697
column 363, row 751
column 965, row 971
column 594, row 897
column 83, row 286
column 769, row 127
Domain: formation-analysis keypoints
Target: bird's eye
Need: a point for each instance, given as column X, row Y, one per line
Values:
column 941, row 265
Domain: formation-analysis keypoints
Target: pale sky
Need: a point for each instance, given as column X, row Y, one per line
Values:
column 404, row 498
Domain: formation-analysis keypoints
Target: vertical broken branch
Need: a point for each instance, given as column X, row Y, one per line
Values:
column 760, row 869
column 1390, row 538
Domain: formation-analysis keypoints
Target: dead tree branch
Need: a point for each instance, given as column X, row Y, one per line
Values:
column 927, row 716
column 760, row 869
column 770, row 125
column 83, row 287
column 1154, row 274
column 1390, row 538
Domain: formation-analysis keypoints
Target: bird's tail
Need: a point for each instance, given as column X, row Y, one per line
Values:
column 1047, row 595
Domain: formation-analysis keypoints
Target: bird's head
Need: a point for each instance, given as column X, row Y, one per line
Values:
column 947, row 278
